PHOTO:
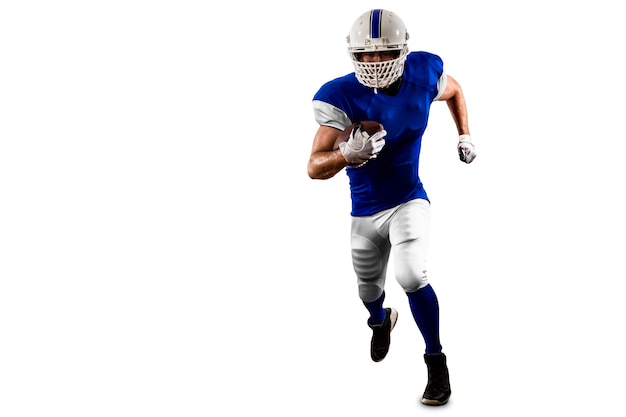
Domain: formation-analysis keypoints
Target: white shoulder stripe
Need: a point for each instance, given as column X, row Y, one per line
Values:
column 441, row 85
column 329, row 115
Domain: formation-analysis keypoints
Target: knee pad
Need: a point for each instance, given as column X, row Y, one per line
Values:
column 369, row 291
column 370, row 265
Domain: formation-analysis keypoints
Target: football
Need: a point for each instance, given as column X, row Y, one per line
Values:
column 369, row 126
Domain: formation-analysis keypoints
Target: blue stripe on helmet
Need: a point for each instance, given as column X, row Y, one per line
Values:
column 375, row 22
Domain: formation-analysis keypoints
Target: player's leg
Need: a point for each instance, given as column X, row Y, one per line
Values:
column 370, row 256
column 409, row 234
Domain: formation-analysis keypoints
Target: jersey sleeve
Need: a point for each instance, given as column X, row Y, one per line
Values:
column 441, row 85
column 339, row 102
column 427, row 70
column 328, row 115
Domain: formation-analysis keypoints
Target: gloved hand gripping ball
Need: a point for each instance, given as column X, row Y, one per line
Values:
column 361, row 142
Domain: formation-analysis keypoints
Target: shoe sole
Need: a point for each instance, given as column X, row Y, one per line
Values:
column 393, row 317
column 433, row 402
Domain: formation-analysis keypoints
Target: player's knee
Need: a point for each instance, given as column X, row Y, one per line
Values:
column 412, row 280
column 370, row 291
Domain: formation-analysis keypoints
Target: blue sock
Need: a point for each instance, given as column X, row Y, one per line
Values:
column 425, row 309
column 377, row 312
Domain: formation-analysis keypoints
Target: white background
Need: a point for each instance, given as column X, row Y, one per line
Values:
column 164, row 253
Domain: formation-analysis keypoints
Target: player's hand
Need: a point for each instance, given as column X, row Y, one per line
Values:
column 361, row 147
column 467, row 153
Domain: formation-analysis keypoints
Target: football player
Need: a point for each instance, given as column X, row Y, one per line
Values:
column 390, row 212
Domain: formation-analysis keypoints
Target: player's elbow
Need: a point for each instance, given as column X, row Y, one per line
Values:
column 316, row 172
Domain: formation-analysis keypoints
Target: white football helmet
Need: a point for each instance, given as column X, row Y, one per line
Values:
column 375, row 31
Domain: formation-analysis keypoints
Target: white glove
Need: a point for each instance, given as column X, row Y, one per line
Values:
column 361, row 147
column 466, row 149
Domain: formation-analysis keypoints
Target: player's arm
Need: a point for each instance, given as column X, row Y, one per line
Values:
column 325, row 162
column 454, row 98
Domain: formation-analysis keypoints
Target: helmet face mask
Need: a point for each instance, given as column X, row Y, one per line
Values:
column 378, row 31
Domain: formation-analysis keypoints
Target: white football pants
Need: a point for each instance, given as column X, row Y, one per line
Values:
column 405, row 230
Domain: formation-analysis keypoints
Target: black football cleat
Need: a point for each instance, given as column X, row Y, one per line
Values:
column 438, row 387
column 381, row 337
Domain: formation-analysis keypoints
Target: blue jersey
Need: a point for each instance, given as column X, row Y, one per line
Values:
column 392, row 178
